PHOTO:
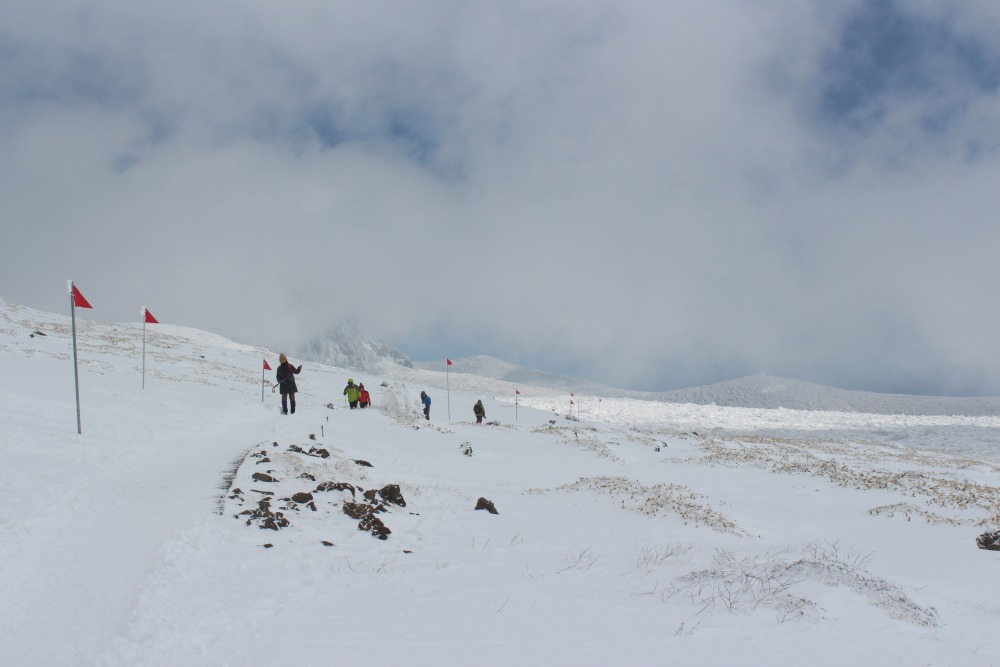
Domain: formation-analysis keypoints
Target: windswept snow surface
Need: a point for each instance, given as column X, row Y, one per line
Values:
column 641, row 533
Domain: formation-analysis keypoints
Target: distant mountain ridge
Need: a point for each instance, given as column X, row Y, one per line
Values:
column 768, row 392
column 497, row 369
column 346, row 346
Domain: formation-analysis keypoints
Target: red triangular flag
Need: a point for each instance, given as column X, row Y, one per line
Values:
column 517, row 391
column 266, row 367
column 571, row 402
column 78, row 299
column 449, row 361
column 149, row 316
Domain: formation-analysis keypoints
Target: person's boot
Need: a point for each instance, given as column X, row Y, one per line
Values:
column 284, row 407
column 293, row 407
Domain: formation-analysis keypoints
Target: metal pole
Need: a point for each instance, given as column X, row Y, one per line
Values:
column 447, row 377
column 76, row 374
column 143, row 348
column 262, row 383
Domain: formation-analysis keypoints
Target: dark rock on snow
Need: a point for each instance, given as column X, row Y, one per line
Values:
column 487, row 505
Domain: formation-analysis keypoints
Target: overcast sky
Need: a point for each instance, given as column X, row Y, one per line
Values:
column 649, row 194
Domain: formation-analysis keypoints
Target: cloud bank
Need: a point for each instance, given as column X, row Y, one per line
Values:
column 649, row 195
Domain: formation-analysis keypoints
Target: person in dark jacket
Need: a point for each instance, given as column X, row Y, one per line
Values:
column 479, row 411
column 426, row 400
column 364, row 398
column 352, row 393
column 286, row 380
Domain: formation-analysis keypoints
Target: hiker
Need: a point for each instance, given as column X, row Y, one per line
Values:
column 352, row 393
column 426, row 400
column 479, row 411
column 286, row 379
column 364, row 399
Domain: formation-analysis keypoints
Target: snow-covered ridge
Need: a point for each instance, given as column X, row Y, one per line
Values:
column 767, row 392
column 760, row 391
column 346, row 346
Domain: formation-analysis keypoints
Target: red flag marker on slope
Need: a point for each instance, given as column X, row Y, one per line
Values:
column 78, row 299
column 147, row 318
column 449, row 361
column 263, row 382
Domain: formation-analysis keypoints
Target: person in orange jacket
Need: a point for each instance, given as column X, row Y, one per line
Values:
column 364, row 399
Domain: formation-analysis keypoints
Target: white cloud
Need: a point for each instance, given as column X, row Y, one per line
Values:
column 616, row 188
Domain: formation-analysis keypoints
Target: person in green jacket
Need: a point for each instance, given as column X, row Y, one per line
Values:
column 479, row 411
column 352, row 393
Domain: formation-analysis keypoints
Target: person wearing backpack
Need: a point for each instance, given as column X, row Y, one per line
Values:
column 286, row 381
column 479, row 411
column 364, row 398
column 352, row 393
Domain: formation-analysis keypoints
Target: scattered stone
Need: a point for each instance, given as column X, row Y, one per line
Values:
column 267, row 546
column 336, row 486
column 313, row 451
column 266, row 493
column 363, row 463
column 407, row 551
column 390, row 493
column 312, row 436
column 302, row 497
column 487, row 505
column 466, row 448
column 374, row 525
column 367, row 519
column 264, row 460
column 989, row 541
column 263, row 477
column 265, row 517
column 306, row 475
column 327, row 544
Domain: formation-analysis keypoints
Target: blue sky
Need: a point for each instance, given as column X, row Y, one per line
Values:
column 652, row 195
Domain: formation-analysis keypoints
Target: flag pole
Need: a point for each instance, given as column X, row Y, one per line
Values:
column 262, row 383
column 143, row 347
column 76, row 374
column 447, row 377
column 516, row 392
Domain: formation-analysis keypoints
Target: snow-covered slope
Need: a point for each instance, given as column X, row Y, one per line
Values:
column 755, row 391
column 643, row 533
column 491, row 367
